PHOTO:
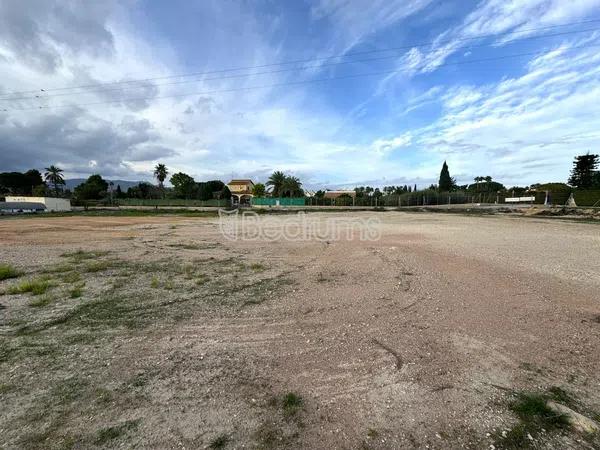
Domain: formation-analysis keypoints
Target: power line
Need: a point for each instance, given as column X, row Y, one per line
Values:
column 404, row 47
column 379, row 58
column 293, row 83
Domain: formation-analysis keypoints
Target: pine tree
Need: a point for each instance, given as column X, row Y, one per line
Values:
column 446, row 183
column 582, row 174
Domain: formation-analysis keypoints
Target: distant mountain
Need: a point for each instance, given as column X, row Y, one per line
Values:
column 73, row 182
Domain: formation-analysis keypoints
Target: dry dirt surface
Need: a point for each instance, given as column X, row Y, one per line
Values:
column 158, row 332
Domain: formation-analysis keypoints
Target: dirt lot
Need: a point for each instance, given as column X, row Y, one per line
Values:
column 157, row 332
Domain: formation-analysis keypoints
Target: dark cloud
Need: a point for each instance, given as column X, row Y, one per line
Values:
column 38, row 31
column 150, row 153
column 133, row 95
column 79, row 142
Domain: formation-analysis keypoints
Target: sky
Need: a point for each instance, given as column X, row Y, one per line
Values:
column 340, row 93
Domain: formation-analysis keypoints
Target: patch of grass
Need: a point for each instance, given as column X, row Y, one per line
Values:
column 530, row 368
column 513, row 439
column 41, row 301
column 105, row 435
column 67, row 391
column 103, row 396
column 269, row 436
column 61, row 268
column 109, row 311
column 372, row 433
column 97, row 266
column 189, row 270
column 6, row 388
column 72, row 277
column 154, row 283
column 76, row 292
column 220, row 441
column 119, row 283
column 33, row 286
column 532, row 409
column 7, row 271
column 257, row 267
column 534, row 416
column 139, row 380
column 559, row 395
column 291, row 404
column 202, row 279
column 81, row 255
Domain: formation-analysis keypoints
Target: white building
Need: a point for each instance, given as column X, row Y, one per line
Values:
column 52, row 204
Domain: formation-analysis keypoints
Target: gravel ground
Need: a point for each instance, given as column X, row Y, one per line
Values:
column 419, row 339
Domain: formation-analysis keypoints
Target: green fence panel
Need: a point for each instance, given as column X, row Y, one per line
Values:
column 587, row 198
column 283, row 201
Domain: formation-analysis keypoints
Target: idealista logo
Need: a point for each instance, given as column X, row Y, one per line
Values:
column 251, row 226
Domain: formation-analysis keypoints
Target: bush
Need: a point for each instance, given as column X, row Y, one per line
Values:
column 36, row 287
column 587, row 198
column 7, row 271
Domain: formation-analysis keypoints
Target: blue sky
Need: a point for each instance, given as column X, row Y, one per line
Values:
column 445, row 93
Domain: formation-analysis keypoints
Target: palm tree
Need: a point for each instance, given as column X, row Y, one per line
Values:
column 160, row 173
column 291, row 186
column 276, row 180
column 258, row 190
column 54, row 176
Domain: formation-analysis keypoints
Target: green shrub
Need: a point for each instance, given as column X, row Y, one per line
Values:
column 291, row 403
column 587, row 198
column 41, row 301
column 97, row 266
column 35, row 287
column 7, row 271
column 76, row 292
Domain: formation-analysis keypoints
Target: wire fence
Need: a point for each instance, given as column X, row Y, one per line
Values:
column 583, row 198
column 170, row 202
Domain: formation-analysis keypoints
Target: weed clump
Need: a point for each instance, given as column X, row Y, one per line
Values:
column 34, row 286
column 108, row 434
column 292, row 403
column 534, row 416
column 220, row 441
column 7, row 271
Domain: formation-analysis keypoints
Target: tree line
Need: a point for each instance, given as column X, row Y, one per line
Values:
column 584, row 175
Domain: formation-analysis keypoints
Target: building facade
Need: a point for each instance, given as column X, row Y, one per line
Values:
column 241, row 191
column 52, row 204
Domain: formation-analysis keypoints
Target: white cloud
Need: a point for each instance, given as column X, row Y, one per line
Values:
column 355, row 21
column 382, row 146
column 522, row 126
column 521, row 19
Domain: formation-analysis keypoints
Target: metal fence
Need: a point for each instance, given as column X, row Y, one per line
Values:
column 170, row 202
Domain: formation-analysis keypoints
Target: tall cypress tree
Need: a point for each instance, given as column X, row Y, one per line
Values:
column 582, row 174
column 445, row 184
